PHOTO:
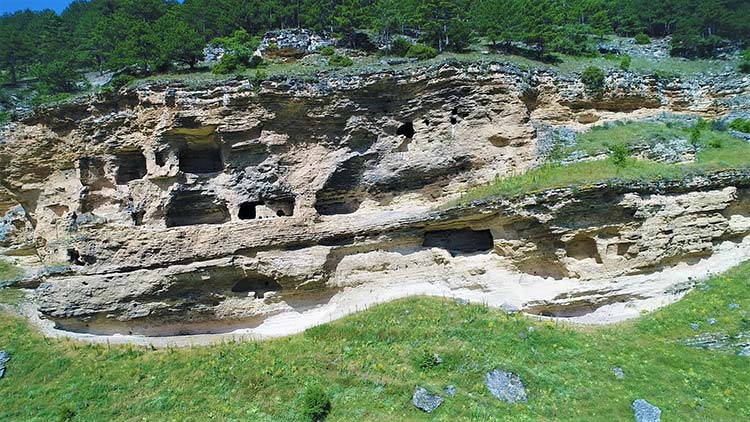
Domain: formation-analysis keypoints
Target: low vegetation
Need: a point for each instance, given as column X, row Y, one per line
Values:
column 369, row 364
column 593, row 79
column 8, row 271
column 716, row 150
column 338, row 60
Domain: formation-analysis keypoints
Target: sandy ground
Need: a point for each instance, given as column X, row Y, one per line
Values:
column 496, row 288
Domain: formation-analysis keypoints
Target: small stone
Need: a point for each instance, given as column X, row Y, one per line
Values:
column 694, row 326
column 646, row 412
column 425, row 401
column 450, row 390
column 734, row 306
column 506, row 386
column 531, row 329
column 4, row 358
column 745, row 352
column 407, row 312
column 462, row 301
column 711, row 321
column 523, row 336
column 619, row 373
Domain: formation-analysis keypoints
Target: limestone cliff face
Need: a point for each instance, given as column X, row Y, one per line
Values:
column 174, row 209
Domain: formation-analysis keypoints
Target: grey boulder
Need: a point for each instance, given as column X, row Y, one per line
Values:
column 646, row 412
column 425, row 401
column 506, row 386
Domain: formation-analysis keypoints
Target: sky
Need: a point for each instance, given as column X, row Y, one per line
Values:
column 13, row 5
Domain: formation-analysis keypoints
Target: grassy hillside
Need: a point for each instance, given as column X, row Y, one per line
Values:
column 716, row 150
column 370, row 364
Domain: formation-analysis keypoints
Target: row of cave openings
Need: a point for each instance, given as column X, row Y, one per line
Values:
column 194, row 207
column 407, row 129
column 193, row 157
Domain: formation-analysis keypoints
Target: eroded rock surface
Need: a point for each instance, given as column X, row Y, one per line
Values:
column 168, row 209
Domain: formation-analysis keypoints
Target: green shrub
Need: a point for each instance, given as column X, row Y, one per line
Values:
column 715, row 143
column 235, row 62
column 327, row 51
column 740, row 125
column 593, row 78
column 620, row 154
column 57, row 76
column 4, row 117
column 400, row 46
column 642, row 39
column 427, row 360
column 745, row 63
column 625, row 63
column 315, row 403
column 421, row 52
column 229, row 63
column 338, row 60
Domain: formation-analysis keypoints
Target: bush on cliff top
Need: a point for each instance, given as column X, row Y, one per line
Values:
column 421, row 52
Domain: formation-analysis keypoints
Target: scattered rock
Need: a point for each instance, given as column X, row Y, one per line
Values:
column 425, row 401
column 711, row 321
column 745, row 352
column 462, row 301
column 720, row 341
column 734, row 306
column 619, row 373
column 646, row 412
column 506, row 386
column 694, row 326
column 450, row 390
column 4, row 358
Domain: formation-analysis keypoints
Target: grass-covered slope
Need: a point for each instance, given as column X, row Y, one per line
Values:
column 716, row 150
column 370, row 363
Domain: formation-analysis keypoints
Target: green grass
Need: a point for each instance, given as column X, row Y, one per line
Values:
column 9, row 271
column 369, row 366
column 718, row 151
column 641, row 133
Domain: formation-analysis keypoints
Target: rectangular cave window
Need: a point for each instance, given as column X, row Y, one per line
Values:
column 266, row 209
column 201, row 157
column 459, row 240
column 129, row 166
column 248, row 210
column 191, row 208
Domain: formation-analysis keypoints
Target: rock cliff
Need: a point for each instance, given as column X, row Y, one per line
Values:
column 170, row 209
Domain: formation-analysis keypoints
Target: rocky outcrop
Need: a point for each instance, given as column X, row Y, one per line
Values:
column 185, row 210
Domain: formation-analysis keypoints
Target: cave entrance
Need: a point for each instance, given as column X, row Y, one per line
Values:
column 201, row 157
column 266, row 209
column 259, row 285
column 460, row 240
column 406, row 129
column 129, row 166
column 248, row 210
column 195, row 207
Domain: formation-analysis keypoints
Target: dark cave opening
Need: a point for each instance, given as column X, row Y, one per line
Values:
column 130, row 166
column 406, row 129
column 259, row 285
column 194, row 207
column 248, row 210
column 460, row 240
column 201, row 158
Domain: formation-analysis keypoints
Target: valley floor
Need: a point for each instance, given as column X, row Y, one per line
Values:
column 370, row 364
